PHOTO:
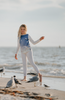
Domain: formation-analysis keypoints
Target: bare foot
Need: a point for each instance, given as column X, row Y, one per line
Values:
column 40, row 78
column 23, row 80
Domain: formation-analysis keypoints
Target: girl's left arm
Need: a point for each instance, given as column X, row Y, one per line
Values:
column 34, row 42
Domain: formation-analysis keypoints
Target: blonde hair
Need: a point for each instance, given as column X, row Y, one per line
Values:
column 19, row 33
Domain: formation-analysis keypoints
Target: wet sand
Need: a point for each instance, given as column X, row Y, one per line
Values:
column 27, row 91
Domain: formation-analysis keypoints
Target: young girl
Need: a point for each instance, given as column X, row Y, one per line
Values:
column 26, row 51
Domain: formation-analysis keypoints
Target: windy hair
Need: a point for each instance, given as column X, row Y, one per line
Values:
column 19, row 31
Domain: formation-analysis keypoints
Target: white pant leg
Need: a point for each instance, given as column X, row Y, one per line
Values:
column 24, row 61
column 30, row 58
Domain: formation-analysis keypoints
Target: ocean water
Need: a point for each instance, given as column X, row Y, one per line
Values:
column 49, row 60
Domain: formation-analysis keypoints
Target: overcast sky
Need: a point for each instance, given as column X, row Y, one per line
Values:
column 42, row 17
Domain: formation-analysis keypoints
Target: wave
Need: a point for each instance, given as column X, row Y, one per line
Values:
column 13, row 66
column 44, row 70
column 18, row 65
column 53, row 71
column 52, row 64
column 53, row 76
column 58, row 73
column 14, row 71
column 44, row 75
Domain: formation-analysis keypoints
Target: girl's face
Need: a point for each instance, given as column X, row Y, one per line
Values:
column 23, row 31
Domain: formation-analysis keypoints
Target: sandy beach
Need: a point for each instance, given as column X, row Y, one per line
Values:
column 27, row 91
column 50, row 65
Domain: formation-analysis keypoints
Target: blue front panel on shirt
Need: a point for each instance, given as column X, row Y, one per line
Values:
column 24, row 41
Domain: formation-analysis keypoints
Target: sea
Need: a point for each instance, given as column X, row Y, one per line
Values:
column 49, row 60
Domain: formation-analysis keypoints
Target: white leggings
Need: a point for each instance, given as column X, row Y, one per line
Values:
column 30, row 58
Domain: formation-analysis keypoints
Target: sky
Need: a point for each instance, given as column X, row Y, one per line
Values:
column 42, row 18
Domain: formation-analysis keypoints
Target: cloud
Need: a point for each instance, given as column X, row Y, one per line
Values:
column 43, row 10
column 30, row 16
column 62, row 4
column 41, row 17
column 29, row 5
column 58, row 1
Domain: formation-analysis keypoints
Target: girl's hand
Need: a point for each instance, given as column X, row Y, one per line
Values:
column 42, row 38
column 16, row 56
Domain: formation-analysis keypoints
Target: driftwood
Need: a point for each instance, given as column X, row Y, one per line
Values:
column 24, row 94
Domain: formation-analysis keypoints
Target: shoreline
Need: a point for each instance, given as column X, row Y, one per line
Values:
column 53, row 76
column 53, row 82
column 29, row 88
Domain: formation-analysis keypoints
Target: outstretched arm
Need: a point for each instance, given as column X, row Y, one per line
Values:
column 32, row 41
column 37, row 41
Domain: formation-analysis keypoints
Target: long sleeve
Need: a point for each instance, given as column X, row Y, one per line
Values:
column 18, row 46
column 32, row 41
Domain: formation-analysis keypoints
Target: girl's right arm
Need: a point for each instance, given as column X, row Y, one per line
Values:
column 18, row 46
